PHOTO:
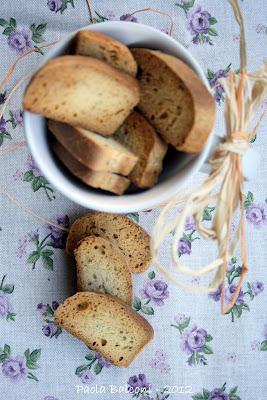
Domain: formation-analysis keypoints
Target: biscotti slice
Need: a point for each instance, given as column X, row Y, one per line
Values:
column 99, row 180
column 174, row 100
column 106, row 325
column 97, row 152
column 105, row 48
column 142, row 139
column 120, row 230
column 84, row 92
column 102, row 267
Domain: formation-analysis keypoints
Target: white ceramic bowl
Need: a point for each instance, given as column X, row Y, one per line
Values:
column 178, row 167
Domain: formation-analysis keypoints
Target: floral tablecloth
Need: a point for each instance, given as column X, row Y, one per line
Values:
column 197, row 353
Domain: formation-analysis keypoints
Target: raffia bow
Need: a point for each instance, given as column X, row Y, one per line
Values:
column 244, row 94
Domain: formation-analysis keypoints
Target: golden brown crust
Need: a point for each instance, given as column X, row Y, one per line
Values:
column 105, row 48
column 71, row 89
column 142, row 139
column 122, row 232
column 99, row 180
column 200, row 102
column 94, row 151
column 85, row 307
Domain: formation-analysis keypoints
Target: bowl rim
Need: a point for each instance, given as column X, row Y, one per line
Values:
column 125, row 203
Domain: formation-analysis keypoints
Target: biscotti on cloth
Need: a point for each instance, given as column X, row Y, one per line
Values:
column 130, row 238
column 106, row 325
column 102, row 267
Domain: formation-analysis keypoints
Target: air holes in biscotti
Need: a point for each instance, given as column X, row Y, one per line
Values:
column 82, row 306
column 103, row 342
column 74, row 115
column 121, row 358
column 164, row 115
column 96, row 247
column 139, row 73
column 115, row 236
column 152, row 117
column 103, row 252
column 94, row 343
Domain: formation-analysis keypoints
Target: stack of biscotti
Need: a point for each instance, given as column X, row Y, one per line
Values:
column 108, row 248
column 114, row 111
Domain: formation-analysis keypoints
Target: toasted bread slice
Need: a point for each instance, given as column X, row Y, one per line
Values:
column 142, row 139
column 120, row 230
column 105, row 48
column 106, row 325
column 94, row 151
column 102, row 267
column 84, row 92
column 99, row 180
column 174, row 100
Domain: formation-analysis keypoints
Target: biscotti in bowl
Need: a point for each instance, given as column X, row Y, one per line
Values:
column 119, row 118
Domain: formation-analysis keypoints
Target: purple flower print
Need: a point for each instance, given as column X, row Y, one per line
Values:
column 257, row 287
column 18, row 116
column 264, row 332
column 5, row 305
column 110, row 15
column 216, row 295
column 17, row 177
column 179, row 318
column 103, row 362
column 221, row 73
column 50, row 398
column 214, row 80
column 155, row 291
column 193, row 340
column 190, row 224
column 58, row 236
column 55, row 305
column 50, row 329
column 30, row 163
column 159, row 362
column 256, row 214
column 218, row 394
column 128, row 17
column 14, row 368
column 54, row 5
column 2, row 125
column 42, row 308
column 198, row 21
column 229, row 294
column 137, row 383
column 231, row 357
column 87, row 377
column 20, row 40
column 184, row 246
column 255, row 345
